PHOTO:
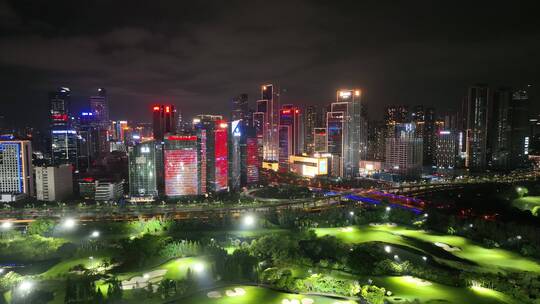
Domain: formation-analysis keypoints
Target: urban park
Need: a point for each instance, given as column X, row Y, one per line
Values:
column 348, row 252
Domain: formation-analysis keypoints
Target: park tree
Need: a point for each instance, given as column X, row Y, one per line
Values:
column 373, row 294
column 41, row 227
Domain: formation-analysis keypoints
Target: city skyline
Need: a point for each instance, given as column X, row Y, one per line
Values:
column 196, row 56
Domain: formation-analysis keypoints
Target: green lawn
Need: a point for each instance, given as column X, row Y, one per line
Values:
column 176, row 268
column 531, row 203
column 407, row 288
column 257, row 295
column 486, row 257
column 63, row 267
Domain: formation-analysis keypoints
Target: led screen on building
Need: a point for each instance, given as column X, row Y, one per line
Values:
column 221, row 161
column 181, row 172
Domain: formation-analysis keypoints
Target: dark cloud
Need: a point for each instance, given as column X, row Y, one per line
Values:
column 199, row 54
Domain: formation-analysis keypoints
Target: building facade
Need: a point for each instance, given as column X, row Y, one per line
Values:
column 54, row 183
column 16, row 170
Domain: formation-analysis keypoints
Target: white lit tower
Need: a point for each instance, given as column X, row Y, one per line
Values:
column 347, row 112
column 269, row 105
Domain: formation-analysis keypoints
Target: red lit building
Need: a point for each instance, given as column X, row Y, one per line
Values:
column 163, row 120
column 253, row 160
column 212, row 131
column 182, row 166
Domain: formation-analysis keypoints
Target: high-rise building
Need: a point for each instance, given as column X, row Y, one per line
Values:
column 92, row 141
column 312, row 119
column 477, row 116
column 163, row 120
column 425, row 121
column 269, row 105
column 146, row 170
column 404, row 151
column 291, row 135
column 376, row 141
column 348, row 110
column 446, row 149
column 336, row 135
column 16, row 170
column 240, row 109
column 319, row 140
column 183, row 166
column 520, row 134
column 212, row 133
column 64, row 140
column 237, row 157
column 99, row 106
column 395, row 115
column 500, row 128
column 254, row 160
column 54, row 183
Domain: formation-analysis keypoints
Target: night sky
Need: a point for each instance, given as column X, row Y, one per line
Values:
column 199, row 54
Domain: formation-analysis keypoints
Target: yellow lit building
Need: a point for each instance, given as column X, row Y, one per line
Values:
column 309, row 166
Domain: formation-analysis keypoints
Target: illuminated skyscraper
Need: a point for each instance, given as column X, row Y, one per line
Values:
column 146, row 169
column 336, row 134
column 477, row 110
column 163, row 120
column 64, row 140
column 269, row 104
column 16, row 170
column 100, row 107
column 291, row 136
column 319, row 140
column 404, row 151
column 346, row 118
column 212, row 133
column 183, row 169
column 446, row 149
column 240, row 110
column 312, row 119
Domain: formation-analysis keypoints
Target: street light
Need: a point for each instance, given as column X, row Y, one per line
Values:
column 249, row 220
column 69, row 223
column 25, row 287
column 388, row 249
column 7, row 225
column 388, row 209
column 424, row 258
column 94, row 234
column 351, row 213
column 198, row 267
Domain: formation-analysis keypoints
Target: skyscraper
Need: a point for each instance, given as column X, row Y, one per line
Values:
column 477, row 110
column 336, row 135
column 500, row 128
column 446, row 149
column 16, row 170
column 377, row 140
column 240, row 109
column 312, row 119
column 404, row 151
column 64, row 140
column 212, row 133
column 269, row 105
column 183, row 166
column 520, row 135
column 146, row 169
column 163, row 120
column 347, row 112
column 393, row 116
column 291, row 139
column 319, row 140
column 99, row 106
column 237, row 148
